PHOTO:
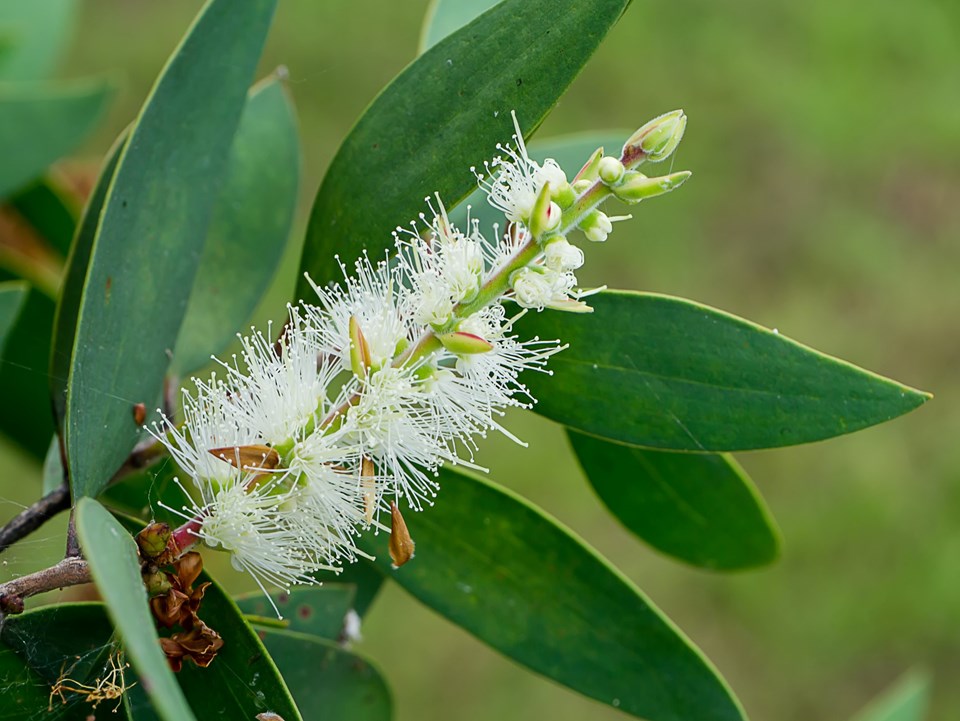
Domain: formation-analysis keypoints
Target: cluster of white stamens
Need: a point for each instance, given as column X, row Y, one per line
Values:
column 306, row 438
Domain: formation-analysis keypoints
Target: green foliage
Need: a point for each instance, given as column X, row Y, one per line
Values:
column 435, row 120
column 249, row 230
column 669, row 373
column 35, row 33
column 12, row 296
column 698, row 507
column 114, row 563
column 328, row 681
column 317, row 611
column 243, row 680
column 55, row 118
column 525, row 585
column 145, row 249
column 49, row 210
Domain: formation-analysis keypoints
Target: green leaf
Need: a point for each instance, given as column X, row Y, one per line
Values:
column 23, row 377
column 68, row 302
column 443, row 114
column 669, row 373
column 698, row 507
column 242, row 681
column 525, row 585
column 313, row 610
column 52, row 468
column 114, row 563
column 444, row 17
column 40, row 124
column 38, row 32
column 49, row 209
column 250, row 227
column 146, row 247
column 364, row 577
column 327, row 681
column 905, row 700
column 13, row 294
column 71, row 640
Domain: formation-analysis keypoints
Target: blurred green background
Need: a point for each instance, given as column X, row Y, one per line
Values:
column 825, row 143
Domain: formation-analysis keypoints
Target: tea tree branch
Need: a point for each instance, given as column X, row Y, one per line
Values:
column 69, row 572
column 30, row 519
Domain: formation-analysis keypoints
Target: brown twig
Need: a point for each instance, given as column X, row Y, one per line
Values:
column 30, row 519
column 69, row 572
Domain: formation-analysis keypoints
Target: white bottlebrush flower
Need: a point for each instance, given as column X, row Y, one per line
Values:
column 561, row 256
column 376, row 298
column 514, row 180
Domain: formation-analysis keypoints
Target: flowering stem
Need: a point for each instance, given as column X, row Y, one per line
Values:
column 187, row 534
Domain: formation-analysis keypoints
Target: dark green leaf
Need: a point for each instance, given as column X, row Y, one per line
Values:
column 49, row 209
column 364, row 577
column 906, row 700
column 39, row 124
column 443, row 114
column 327, row 681
column 669, row 373
column 68, row 302
column 444, row 17
column 49, row 644
column 38, row 31
column 147, row 245
column 115, row 566
column 317, row 611
column 699, row 507
column 528, row 587
column 13, row 294
column 23, row 376
column 242, row 681
column 52, row 468
column 250, row 227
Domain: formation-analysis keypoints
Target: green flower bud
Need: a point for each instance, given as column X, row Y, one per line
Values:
column 463, row 343
column 153, row 539
column 596, row 226
column 611, row 170
column 589, row 171
column 636, row 186
column 656, row 140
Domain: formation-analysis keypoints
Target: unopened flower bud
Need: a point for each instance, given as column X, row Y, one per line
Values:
column 360, row 361
column 564, row 195
column 465, row 343
column 610, row 170
column 581, row 186
column 157, row 583
column 596, row 226
column 546, row 214
column 153, row 539
column 561, row 256
column 656, row 140
column 590, row 170
column 636, row 186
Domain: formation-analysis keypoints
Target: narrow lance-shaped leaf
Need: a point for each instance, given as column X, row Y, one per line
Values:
column 147, row 245
column 698, row 507
column 327, row 681
column 523, row 584
column 443, row 114
column 669, row 373
column 249, row 230
column 68, row 303
column 55, row 118
column 112, row 555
